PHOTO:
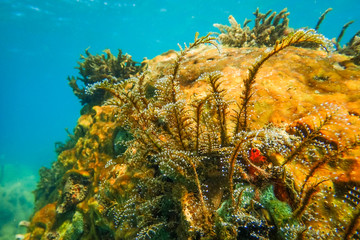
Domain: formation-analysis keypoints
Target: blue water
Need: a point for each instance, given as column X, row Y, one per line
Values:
column 41, row 41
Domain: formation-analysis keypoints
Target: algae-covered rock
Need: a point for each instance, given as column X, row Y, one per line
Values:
column 74, row 191
column 74, row 228
column 245, row 143
column 280, row 212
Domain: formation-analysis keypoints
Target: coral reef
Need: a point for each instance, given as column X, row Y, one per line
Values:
column 352, row 48
column 246, row 143
column 94, row 68
column 321, row 18
column 269, row 27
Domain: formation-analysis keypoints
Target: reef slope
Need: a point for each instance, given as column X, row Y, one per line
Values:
column 87, row 192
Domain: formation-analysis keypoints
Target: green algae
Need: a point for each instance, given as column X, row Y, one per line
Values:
column 280, row 212
column 73, row 228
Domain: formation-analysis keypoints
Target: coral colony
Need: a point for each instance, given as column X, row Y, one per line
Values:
column 253, row 138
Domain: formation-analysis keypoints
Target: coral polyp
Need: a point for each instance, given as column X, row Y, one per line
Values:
column 202, row 144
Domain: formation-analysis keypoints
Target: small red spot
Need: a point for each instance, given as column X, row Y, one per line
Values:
column 257, row 159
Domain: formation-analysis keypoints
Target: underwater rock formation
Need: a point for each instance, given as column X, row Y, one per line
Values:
column 246, row 143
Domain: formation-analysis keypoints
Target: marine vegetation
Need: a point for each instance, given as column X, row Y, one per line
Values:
column 222, row 178
column 95, row 68
column 196, row 147
column 269, row 27
column 352, row 48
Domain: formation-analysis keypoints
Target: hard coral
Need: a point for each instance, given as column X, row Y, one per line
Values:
column 352, row 48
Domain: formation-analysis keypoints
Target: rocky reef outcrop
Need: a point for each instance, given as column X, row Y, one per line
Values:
column 245, row 143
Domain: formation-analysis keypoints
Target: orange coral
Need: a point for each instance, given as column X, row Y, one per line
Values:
column 42, row 221
column 288, row 88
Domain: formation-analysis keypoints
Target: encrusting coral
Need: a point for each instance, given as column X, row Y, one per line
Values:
column 248, row 143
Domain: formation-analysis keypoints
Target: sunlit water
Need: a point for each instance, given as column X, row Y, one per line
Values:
column 41, row 41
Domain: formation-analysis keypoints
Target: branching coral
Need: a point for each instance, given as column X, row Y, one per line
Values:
column 321, row 18
column 352, row 48
column 94, row 68
column 269, row 27
column 47, row 186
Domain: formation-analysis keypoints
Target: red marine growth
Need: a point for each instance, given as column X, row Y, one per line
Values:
column 257, row 159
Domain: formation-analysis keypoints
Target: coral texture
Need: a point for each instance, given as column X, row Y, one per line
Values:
column 270, row 27
column 352, row 48
column 247, row 143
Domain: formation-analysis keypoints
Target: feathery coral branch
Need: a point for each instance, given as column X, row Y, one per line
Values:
column 300, row 36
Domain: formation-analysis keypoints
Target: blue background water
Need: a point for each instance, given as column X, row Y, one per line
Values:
column 41, row 41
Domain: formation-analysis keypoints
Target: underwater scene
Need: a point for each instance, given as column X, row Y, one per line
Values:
column 129, row 119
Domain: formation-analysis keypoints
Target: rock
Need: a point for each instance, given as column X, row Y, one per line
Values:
column 304, row 121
